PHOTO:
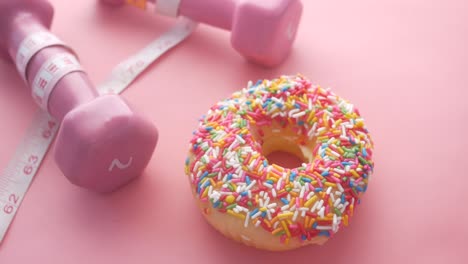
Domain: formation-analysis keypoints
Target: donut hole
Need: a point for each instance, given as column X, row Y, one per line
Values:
column 292, row 158
column 280, row 145
column 284, row 159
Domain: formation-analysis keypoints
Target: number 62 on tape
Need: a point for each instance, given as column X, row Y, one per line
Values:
column 17, row 177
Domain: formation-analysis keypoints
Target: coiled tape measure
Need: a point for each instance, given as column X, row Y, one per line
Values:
column 20, row 171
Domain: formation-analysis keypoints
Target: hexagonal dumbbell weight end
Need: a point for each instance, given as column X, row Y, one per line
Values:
column 264, row 31
column 104, row 144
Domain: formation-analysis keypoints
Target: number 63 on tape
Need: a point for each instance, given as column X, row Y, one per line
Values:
column 17, row 177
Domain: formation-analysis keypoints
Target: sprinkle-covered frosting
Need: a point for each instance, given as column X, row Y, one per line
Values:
column 230, row 173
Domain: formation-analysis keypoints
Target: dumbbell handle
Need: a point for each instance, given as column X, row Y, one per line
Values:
column 71, row 90
column 212, row 12
column 218, row 13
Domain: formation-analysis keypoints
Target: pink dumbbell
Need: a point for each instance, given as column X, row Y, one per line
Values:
column 102, row 143
column 263, row 31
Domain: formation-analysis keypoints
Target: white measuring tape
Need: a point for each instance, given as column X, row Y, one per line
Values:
column 17, row 177
column 127, row 71
column 30, row 46
column 54, row 69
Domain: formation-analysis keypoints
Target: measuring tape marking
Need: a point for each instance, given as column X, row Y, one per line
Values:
column 23, row 166
column 128, row 70
column 30, row 46
column 20, row 171
column 52, row 71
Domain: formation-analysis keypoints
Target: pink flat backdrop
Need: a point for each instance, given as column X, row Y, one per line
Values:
column 402, row 62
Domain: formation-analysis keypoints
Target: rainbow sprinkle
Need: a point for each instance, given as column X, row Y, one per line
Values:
column 230, row 174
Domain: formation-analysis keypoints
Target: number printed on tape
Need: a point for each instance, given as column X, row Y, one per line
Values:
column 32, row 45
column 16, row 178
column 54, row 69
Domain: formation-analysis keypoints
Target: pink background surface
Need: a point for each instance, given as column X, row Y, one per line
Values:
column 403, row 63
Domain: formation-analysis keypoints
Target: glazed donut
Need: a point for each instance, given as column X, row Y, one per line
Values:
column 248, row 199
